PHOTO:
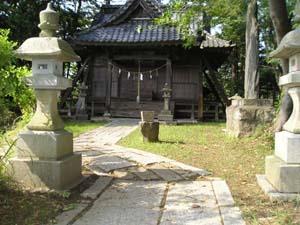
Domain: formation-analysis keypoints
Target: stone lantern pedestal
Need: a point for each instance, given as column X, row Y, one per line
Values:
column 282, row 170
column 166, row 114
column 44, row 150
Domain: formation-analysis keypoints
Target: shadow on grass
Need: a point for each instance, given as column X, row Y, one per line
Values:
column 170, row 142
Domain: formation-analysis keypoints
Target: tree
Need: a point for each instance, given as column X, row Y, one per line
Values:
column 251, row 85
column 281, row 23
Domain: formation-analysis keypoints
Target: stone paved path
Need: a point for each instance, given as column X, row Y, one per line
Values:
column 139, row 188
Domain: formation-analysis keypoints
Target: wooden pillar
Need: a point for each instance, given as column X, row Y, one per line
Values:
column 169, row 73
column 138, row 97
column 200, row 94
column 108, row 88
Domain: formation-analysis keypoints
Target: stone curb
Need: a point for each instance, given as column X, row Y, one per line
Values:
column 68, row 216
column 230, row 214
column 99, row 186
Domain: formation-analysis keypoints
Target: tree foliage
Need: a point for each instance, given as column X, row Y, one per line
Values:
column 15, row 97
column 22, row 16
column 227, row 18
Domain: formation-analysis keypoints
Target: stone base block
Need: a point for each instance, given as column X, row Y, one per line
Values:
column 107, row 115
column 165, row 116
column 150, row 131
column 44, row 144
column 82, row 117
column 273, row 194
column 287, row 146
column 284, row 177
column 244, row 115
column 44, row 175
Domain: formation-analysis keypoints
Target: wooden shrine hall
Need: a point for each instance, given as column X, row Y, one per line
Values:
column 127, row 60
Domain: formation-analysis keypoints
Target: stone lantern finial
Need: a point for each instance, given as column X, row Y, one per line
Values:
column 49, row 22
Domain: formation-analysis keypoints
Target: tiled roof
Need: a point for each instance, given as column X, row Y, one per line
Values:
column 116, row 28
column 152, row 6
column 133, row 31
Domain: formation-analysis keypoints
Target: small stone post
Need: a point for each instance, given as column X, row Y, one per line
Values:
column 44, row 150
column 149, row 128
column 282, row 178
column 166, row 114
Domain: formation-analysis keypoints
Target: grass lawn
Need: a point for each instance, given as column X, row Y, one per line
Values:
column 79, row 127
column 19, row 207
column 76, row 127
column 236, row 160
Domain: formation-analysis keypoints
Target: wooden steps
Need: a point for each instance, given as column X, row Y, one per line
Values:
column 132, row 109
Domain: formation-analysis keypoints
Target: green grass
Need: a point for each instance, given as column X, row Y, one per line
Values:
column 236, row 160
column 76, row 127
column 79, row 127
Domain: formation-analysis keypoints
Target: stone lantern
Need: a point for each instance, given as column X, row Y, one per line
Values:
column 166, row 114
column 44, row 150
column 282, row 179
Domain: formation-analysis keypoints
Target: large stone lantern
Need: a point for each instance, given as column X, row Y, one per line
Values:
column 44, row 150
column 283, row 168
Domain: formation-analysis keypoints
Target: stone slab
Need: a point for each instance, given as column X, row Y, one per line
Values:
column 165, row 173
column 44, row 144
column 272, row 193
column 89, row 153
column 287, row 146
column 191, row 203
column 232, row 216
column 145, row 174
column 126, row 203
column 124, row 174
column 222, row 193
column 199, row 171
column 96, row 170
column 109, row 163
column 42, row 175
column 284, row 177
column 68, row 216
column 139, row 158
column 99, row 186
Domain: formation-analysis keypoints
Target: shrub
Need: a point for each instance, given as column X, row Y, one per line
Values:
column 16, row 99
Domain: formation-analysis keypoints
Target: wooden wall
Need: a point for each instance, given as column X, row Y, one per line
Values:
column 186, row 82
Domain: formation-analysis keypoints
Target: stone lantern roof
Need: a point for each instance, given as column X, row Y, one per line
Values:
column 47, row 46
column 290, row 44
